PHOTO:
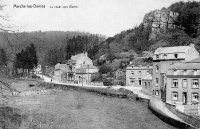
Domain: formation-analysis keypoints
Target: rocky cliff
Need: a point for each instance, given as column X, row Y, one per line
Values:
column 160, row 21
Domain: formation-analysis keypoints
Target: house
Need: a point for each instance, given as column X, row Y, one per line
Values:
column 147, row 84
column 81, row 68
column 38, row 69
column 48, row 71
column 81, row 59
column 120, row 74
column 182, row 87
column 135, row 74
column 85, row 72
column 163, row 57
column 60, row 72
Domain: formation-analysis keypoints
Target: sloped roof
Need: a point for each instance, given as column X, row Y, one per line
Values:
column 76, row 57
column 185, row 66
column 183, row 72
column 196, row 60
column 131, row 66
column 64, row 67
column 177, row 49
column 88, row 67
column 148, row 77
column 49, row 69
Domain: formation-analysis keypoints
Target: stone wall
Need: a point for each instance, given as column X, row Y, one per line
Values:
column 194, row 121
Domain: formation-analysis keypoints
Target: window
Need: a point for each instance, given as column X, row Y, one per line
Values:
column 157, row 80
column 175, row 55
column 165, row 56
column 195, row 83
column 139, row 73
column 132, row 72
column 184, row 83
column 149, row 84
column 157, row 92
column 145, row 83
column 140, row 81
column 195, row 72
column 175, row 72
column 195, row 97
column 175, row 83
column 157, row 68
column 157, row 56
column 132, row 80
column 184, row 72
column 175, row 96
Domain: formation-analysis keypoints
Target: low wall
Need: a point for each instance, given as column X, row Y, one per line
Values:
column 192, row 109
column 169, row 120
column 121, row 93
column 194, row 121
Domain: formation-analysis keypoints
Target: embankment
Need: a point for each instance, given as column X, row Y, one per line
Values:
column 127, row 94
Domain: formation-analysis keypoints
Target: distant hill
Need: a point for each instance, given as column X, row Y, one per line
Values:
column 179, row 24
column 43, row 41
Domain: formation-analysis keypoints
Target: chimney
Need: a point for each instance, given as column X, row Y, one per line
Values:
column 191, row 44
column 86, row 54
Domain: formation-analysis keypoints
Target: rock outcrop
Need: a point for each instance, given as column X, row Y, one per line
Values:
column 160, row 21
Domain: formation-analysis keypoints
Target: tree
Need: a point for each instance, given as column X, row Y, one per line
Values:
column 54, row 56
column 26, row 59
column 189, row 16
column 97, row 77
column 107, row 82
column 3, row 58
column 104, row 69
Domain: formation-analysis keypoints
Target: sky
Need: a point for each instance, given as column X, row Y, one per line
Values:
column 105, row 17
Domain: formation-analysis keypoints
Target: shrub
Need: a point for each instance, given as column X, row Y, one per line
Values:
column 107, row 82
column 104, row 69
column 96, row 78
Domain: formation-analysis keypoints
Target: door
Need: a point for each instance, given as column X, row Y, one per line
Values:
column 163, row 87
column 184, row 98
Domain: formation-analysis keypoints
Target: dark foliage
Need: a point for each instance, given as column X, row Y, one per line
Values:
column 26, row 59
column 189, row 16
column 107, row 82
column 73, row 46
column 3, row 58
column 104, row 69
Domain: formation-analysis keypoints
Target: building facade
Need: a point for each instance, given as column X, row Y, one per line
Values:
column 85, row 72
column 162, row 59
column 183, row 87
column 81, row 69
column 147, row 84
column 134, row 74
column 60, row 72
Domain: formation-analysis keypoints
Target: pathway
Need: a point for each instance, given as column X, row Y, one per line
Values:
column 157, row 104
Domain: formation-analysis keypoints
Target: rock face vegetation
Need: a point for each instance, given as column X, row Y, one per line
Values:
column 173, row 26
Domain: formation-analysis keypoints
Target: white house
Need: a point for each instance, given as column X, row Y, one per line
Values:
column 81, row 68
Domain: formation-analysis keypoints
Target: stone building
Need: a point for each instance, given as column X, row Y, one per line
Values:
column 81, row 68
column 182, row 87
column 60, row 72
column 84, row 73
column 135, row 74
column 147, row 84
column 163, row 57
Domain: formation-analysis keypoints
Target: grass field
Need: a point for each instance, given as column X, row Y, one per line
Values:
column 72, row 109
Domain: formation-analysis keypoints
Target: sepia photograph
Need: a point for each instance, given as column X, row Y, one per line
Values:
column 99, row 64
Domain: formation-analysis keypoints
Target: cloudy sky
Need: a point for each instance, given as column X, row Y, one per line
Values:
column 106, row 17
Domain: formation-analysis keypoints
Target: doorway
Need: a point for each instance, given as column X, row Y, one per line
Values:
column 184, row 98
